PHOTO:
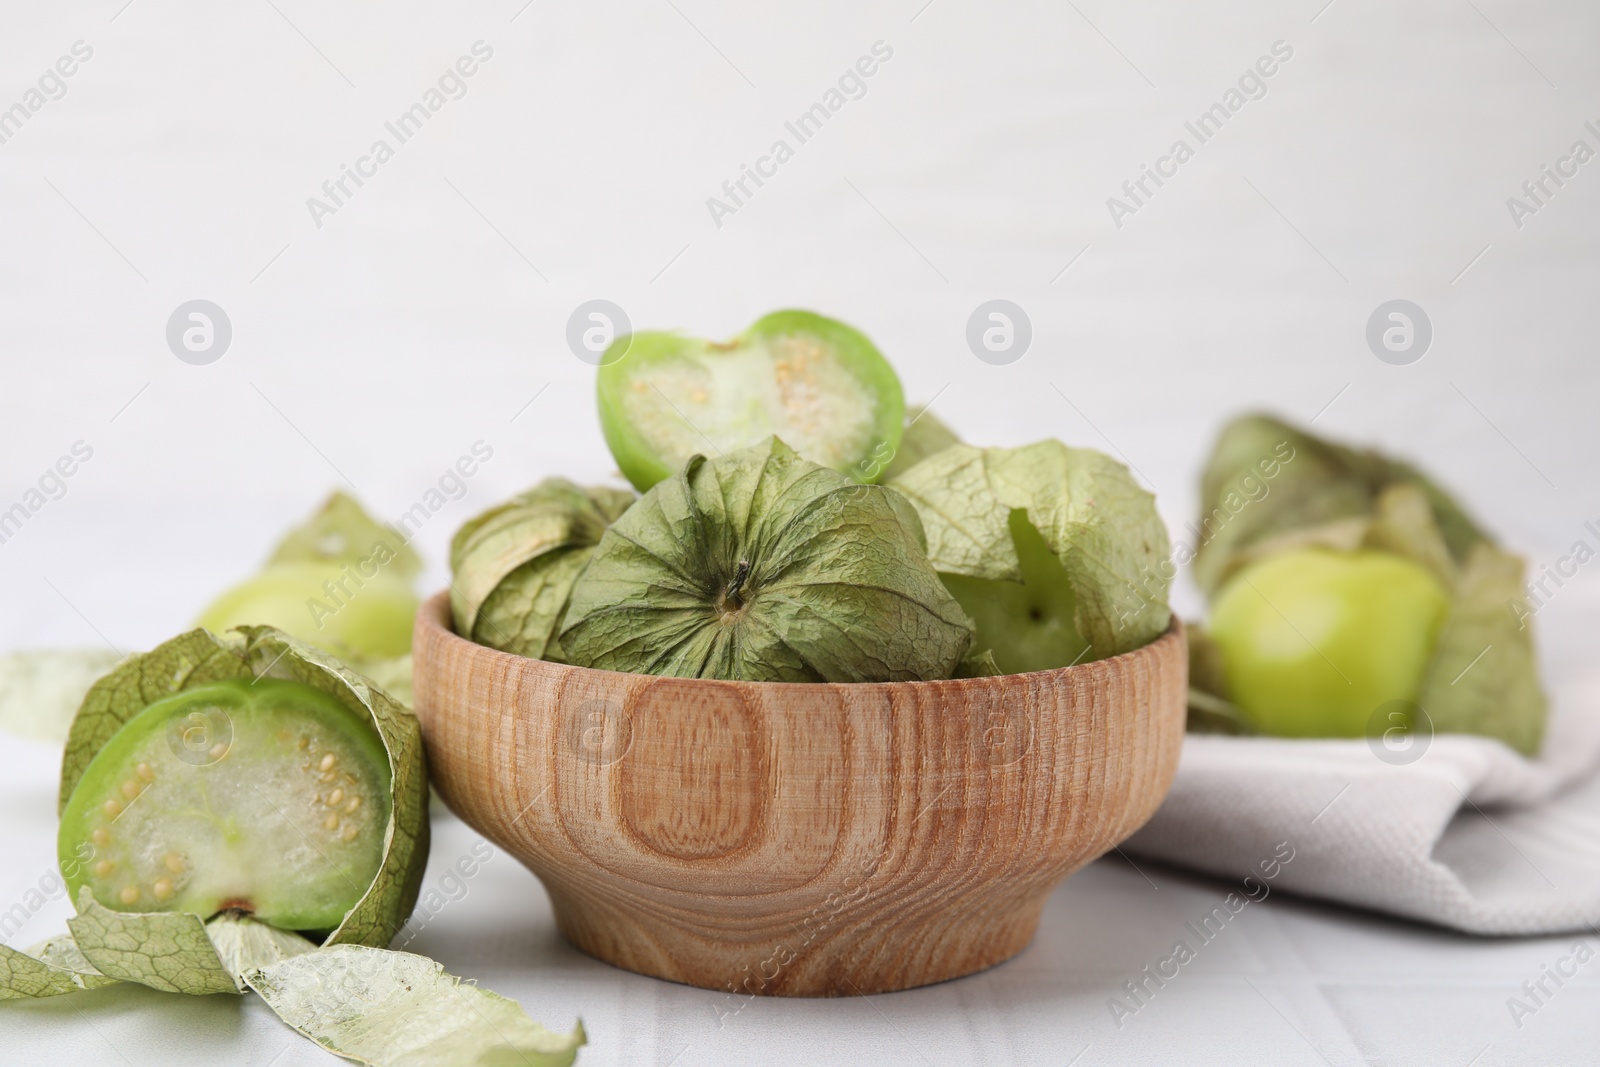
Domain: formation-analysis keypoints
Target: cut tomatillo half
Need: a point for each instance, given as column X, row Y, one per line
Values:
column 267, row 797
column 251, row 773
column 817, row 384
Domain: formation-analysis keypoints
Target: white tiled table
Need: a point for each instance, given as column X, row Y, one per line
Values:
column 1286, row 983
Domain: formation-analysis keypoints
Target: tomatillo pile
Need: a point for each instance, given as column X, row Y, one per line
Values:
column 764, row 548
column 1351, row 596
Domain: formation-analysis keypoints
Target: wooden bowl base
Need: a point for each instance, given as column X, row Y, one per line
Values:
column 817, row 955
column 798, row 840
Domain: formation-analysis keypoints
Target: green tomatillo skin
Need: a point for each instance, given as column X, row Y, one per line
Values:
column 1314, row 641
column 817, row 384
column 327, row 604
column 1029, row 624
column 269, row 797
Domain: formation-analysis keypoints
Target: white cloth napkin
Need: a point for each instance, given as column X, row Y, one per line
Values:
column 1470, row 835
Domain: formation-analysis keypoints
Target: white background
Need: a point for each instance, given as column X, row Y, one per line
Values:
column 426, row 313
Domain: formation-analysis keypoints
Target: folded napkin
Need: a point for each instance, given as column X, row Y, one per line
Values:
column 1460, row 831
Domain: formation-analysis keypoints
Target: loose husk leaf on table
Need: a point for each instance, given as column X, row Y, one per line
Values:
column 169, row 951
column 396, row 1009
column 49, row 969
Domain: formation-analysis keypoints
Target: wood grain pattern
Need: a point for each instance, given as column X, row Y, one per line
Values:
column 798, row 840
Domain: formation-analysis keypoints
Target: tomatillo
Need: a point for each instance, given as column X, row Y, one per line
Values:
column 326, row 604
column 269, row 797
column 1029, row 625
column 818, row 385
column 1314, row 640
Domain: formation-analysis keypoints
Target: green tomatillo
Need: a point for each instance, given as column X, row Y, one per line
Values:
column 516, row 563
column 1027, row 624
column 251, row 774
column 759, row 565
column 1055, row 552
column 1404, row 595
column 320, row 603
column 340, row 580
column 1314, row 641
column 819, row 385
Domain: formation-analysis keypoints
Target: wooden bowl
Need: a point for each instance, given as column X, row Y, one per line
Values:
column 798, row 840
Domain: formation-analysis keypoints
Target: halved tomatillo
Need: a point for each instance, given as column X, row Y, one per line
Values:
column 251, row 773
column 817, row 384
column 267, row 797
